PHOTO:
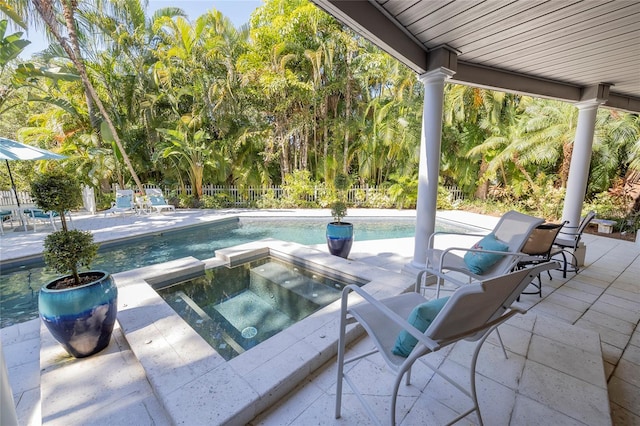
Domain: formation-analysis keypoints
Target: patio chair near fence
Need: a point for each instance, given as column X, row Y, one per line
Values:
column 5, row 216
column 36, row 216
column 497, row 253
column 407, row 327
column 157, row 201
column 123, row 204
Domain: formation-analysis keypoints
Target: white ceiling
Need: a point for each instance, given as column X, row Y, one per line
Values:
column 563, row 49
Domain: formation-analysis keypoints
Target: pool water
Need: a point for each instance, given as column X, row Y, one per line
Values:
column 19, row 286
column 234, row 309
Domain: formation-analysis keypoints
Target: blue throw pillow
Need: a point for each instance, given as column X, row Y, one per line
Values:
column 478, row 263
column 420, row 317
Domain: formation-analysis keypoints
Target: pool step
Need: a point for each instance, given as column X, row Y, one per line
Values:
column 291, row 291
column 253, row 317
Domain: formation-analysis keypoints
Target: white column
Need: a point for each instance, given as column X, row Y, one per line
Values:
column 580, row 161
column 429, row 168
column 8, row 414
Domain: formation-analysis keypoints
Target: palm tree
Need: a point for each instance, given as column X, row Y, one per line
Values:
column 69, row 42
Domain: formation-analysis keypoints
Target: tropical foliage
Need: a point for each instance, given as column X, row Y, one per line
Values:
column 290, row 98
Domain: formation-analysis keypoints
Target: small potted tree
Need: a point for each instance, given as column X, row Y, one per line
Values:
column 79, row 308
column 339, row 233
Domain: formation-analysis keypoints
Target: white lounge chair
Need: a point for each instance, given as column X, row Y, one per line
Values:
column 471, row 313
column 157, row 201
column 36, row 215
column 538, row 249
column 567, row 242
column 497, row 253
column 123, row 204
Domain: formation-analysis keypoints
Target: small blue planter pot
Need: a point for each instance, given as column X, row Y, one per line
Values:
column 81, row 318
column 339, row 238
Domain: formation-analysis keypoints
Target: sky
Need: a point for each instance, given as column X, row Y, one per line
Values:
column 236, row 10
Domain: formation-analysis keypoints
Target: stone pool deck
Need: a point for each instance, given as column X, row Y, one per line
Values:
column 574, row 358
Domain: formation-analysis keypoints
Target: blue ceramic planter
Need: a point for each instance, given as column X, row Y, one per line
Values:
column 339, row 238
column 81, row 318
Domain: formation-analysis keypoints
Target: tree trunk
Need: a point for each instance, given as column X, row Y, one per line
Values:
column 45, row 9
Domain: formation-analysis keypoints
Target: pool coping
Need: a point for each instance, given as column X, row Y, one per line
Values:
column 192, row 381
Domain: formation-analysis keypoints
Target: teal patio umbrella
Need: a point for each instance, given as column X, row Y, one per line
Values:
column 12, row 150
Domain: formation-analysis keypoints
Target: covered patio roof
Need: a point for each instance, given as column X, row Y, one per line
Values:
column 566, row 50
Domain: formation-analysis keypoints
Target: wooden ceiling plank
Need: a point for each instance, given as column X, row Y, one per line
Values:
column 497, row 27
column 578, row 49
column 396, row 7
column 461, row 11
column 539, row 39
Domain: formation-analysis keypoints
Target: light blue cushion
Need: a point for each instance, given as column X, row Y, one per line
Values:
column 156, row 200
column 478, row 263
column 420, row 317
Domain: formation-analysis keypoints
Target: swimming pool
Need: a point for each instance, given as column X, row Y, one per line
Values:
column 19, row 284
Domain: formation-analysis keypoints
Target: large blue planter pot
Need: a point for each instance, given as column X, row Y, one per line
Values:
column 81, row 318
column 339, row 238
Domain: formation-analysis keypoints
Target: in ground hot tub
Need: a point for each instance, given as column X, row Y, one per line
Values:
column 235, row 308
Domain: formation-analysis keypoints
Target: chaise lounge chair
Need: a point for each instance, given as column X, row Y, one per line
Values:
column 538, row 249
column 5, row 216
column 157, row 201
column 495, row 254
column 39, row 215
column 123, row 204
column 567, row 242
column 471, row 313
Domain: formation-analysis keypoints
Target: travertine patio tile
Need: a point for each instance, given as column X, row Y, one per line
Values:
column 22, row 352
column 577, row 294
column 489, row 391
column 491, row 362
column 27, row 330
column 584, row 287
column 628, row 371
column 607, row 335
column 21, row 377
column 616, row 311
column 561, row 392
column 610, row 353
column 515, row 339
column 602, row 270
column 568, row 302
column 218, row 397
column 322, row 412
column 619, row 325
column 621, row 416
column 71, row 393
column 378, row 380
column 583, row 277
column 288, row 409
column 28, row 408
column 428, row 410
column 529, row 412
column 562, row 313
column 628, row 283
column 570, row 360
column 625, row 394
column 632, row 354
column 624, row 294
column 635, row 338
column 524, row 322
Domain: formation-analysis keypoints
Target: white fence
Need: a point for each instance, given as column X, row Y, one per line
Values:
column 234, row 196
column 7, row 199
